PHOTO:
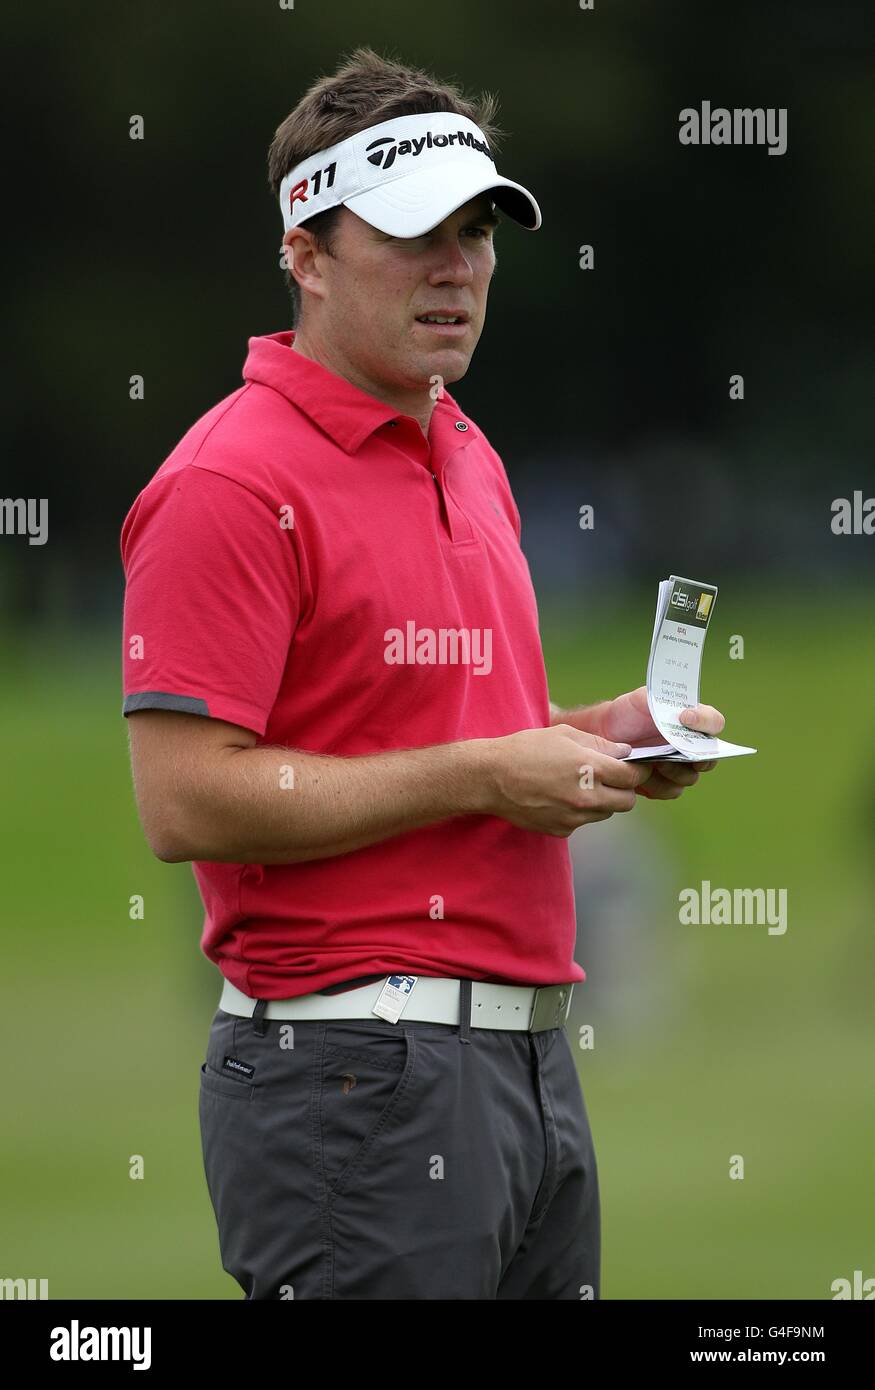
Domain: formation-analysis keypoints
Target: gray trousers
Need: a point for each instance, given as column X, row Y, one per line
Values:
column 368, row 1160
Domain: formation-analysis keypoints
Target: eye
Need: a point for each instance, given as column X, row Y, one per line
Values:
column 483, row 231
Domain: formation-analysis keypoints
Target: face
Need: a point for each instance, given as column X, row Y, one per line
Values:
column 370, row 297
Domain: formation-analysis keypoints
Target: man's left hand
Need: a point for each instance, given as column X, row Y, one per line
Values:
column 627, row 719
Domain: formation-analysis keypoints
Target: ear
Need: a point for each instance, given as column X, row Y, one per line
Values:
column 301, row 260
column 286, row 254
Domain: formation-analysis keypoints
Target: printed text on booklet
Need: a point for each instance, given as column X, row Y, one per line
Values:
column 683, row 612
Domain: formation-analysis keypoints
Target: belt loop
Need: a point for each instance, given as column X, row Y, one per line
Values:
column 464, row 1011
column 259, row 1022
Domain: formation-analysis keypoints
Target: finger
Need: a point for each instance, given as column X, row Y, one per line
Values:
column 597, row 743
column 659, row 788
column 705, row 719
column 612, row 799
column 613, row 773
column 682, row 773
column 586, row 818
column 598, row 768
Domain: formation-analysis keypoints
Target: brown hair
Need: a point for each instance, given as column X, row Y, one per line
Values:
column 367, row 88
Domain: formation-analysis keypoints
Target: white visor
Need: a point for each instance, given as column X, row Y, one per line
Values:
column 404, row 176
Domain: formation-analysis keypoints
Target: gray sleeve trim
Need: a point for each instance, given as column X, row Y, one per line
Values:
column 158, row 699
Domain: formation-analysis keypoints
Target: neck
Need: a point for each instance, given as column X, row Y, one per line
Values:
column 417, row 403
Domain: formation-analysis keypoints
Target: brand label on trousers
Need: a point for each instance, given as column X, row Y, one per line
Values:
column 233, row 1064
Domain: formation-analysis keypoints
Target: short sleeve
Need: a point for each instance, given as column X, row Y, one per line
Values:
column 211, row 599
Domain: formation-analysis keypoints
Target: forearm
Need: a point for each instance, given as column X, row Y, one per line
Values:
column 281, row 806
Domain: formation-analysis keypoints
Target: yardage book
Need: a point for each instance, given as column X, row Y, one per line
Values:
column 683, row 612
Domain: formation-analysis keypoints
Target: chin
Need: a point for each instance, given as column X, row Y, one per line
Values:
column 455, row 373
column 450, row 362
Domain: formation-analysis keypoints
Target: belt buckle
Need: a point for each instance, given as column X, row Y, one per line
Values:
column 550, row 1007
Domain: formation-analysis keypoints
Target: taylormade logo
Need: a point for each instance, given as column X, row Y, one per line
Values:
column 443, row 646
column 75, row 1343
column 387, row 149
column 383, row 153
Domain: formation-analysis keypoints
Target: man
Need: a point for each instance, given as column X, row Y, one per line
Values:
column 339, row 713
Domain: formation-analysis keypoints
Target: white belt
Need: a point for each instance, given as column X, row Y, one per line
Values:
column 433, row 1000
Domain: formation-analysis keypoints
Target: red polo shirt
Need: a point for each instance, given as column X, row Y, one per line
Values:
column 307, row 565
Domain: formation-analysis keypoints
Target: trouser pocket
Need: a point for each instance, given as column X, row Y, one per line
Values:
column 364, row 1078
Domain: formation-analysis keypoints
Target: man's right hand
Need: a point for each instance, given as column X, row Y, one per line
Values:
column 556, row 779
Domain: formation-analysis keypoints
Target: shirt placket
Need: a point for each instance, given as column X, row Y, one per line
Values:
column 436, row 458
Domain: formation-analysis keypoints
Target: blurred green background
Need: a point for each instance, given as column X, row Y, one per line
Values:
column 608, row 388
column 765, row 1051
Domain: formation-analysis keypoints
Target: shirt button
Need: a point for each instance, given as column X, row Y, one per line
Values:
column 460, row 425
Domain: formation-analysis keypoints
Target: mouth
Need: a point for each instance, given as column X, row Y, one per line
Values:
column 444, row 322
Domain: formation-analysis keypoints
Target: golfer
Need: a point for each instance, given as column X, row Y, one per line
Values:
column 339, row 713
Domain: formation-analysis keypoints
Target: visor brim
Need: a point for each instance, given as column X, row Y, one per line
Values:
column 414, row 203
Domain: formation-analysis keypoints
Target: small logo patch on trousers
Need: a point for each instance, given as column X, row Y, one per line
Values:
column 233, row 1064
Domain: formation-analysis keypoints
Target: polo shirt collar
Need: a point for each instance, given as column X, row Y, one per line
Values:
column 345, row 413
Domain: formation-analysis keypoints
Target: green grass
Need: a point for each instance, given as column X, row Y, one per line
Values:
column 766, row 1050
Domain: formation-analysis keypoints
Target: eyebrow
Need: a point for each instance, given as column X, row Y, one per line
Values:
column 491, row 219
column 488, row 219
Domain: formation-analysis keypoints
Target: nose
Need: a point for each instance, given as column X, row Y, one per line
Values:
column 451, row 265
